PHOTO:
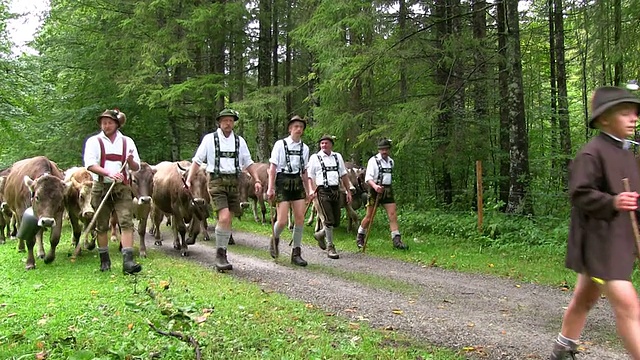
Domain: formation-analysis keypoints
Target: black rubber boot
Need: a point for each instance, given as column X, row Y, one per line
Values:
column 331, row 252
column 360, row 240
column 105, row 262
column 274, row 249
column 320, row 235
column 398, row 244
column 129, row 266
column 296, row 258
column 564, row 352
column 231, row 241
column 221, row 260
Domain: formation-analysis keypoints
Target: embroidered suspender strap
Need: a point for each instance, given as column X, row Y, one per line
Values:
column 286, row 156
column 382, row 170
column 299, row 153
column 225, row 154
column 237, row 155
column 113, row 157
column 325, row 168
column 102, row 158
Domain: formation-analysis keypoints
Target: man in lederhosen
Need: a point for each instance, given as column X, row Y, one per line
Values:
column 104, row 155
column 378, row 176
column 226, row 155
column 325, row 170
column 288, row 184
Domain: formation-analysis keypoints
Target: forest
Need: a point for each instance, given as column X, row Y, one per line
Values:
column 450, row 82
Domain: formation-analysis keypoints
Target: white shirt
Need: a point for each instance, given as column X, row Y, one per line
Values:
column 314, row 169
column 279, row 158
column 92, row 153
column 207, row 153
column 373, row 171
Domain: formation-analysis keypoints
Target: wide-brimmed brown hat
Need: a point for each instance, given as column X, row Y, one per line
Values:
column 607, row 96
column 114, row 114
column 327, row 137
column 297, row 118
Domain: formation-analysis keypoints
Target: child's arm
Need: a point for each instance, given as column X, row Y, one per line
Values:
column 585, row 180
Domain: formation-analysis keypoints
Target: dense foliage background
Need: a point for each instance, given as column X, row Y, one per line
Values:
column 449, row 81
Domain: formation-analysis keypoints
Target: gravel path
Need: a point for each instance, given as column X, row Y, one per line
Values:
column 499, row 318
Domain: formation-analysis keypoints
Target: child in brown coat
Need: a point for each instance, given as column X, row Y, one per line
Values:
column 601, row 247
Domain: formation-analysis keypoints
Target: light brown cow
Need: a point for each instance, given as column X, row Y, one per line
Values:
column 37, row 182
column 78, row 202
column 186, row 206
column 246, row 185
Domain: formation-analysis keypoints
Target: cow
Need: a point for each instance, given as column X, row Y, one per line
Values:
column 246, row 190
column 37, row 182
column 186, row 206
column 78, row 202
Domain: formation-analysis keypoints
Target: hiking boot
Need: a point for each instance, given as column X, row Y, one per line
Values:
column 231, row 241
column 320, row 235
column 129, row 266
column 274, row 250
column 105, row 262
column 221, row 260
column 360, row 240
column 296, row 259
column 331, row 252
column 564, row 352
column 398, row 244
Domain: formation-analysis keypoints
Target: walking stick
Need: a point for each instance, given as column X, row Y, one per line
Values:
column 634, row 220
column 86, row 232
column 373, row 215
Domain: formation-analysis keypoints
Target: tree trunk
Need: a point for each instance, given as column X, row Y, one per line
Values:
column 287, row 60
column 519, row 176
column 554, row 141
column 264, row 78
column 443, row 178
column 563, row 102
column 402, row 27
column 481, row 87
column 503, row 85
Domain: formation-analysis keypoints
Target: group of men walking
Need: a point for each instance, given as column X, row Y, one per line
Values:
column 296, row 177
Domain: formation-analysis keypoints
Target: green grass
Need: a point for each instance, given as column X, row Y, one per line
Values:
column 71, row 310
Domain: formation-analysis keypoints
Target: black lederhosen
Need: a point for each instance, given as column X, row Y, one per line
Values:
column 386, row 197
column 329, row 199
column 289, row 187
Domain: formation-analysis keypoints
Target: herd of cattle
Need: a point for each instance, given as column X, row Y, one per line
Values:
column 158, row 192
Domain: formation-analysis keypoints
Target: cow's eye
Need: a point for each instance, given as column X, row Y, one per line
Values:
column 134, row 181
column 37, row 198
column 82, row 197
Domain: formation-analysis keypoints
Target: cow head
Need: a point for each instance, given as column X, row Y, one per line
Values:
column 84, row 198
column 47, row 193
column 245, row 187
column 198, row 190
column 142, row 183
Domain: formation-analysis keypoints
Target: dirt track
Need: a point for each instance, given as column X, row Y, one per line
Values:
column 500, row 319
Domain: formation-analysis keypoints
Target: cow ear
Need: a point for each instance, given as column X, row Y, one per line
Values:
column 29, row 182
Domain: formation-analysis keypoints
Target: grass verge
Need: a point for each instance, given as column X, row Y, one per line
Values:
column 71, row 310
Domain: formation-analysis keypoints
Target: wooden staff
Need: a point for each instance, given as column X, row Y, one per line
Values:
column 634, row 220
column 86, row 232
column 373, row 215
column 274, row 209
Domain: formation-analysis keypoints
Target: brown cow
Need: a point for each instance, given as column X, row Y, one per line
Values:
column 37, row 182
column 78, row 202
column 246, row 191
column 186, row 206
column 5, row 213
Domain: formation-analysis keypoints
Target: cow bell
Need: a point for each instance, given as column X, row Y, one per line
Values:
column 29, row 226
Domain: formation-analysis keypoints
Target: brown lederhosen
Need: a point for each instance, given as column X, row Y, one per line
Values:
column 223, row 189
column 120, row 197
column 386, row 197
column 329, row 201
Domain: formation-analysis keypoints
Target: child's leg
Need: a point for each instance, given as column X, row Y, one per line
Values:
column 585, row 296
column 624, row 300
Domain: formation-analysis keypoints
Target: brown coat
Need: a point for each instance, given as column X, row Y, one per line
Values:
column 601, row 241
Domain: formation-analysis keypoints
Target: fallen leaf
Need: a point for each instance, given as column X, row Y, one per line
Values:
column 350, row 310
column 94, row 292
column 518, row 286
column 309, row 306
column 388, row 328
column 42, row 321
column 354, row 326
column 397, row 311
column 201, row 319
column 41, row 355
column 471, row 324
column 491, row 265
column 164, row 284
column 130, row 326
column 11, row 315
column 40, row 345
